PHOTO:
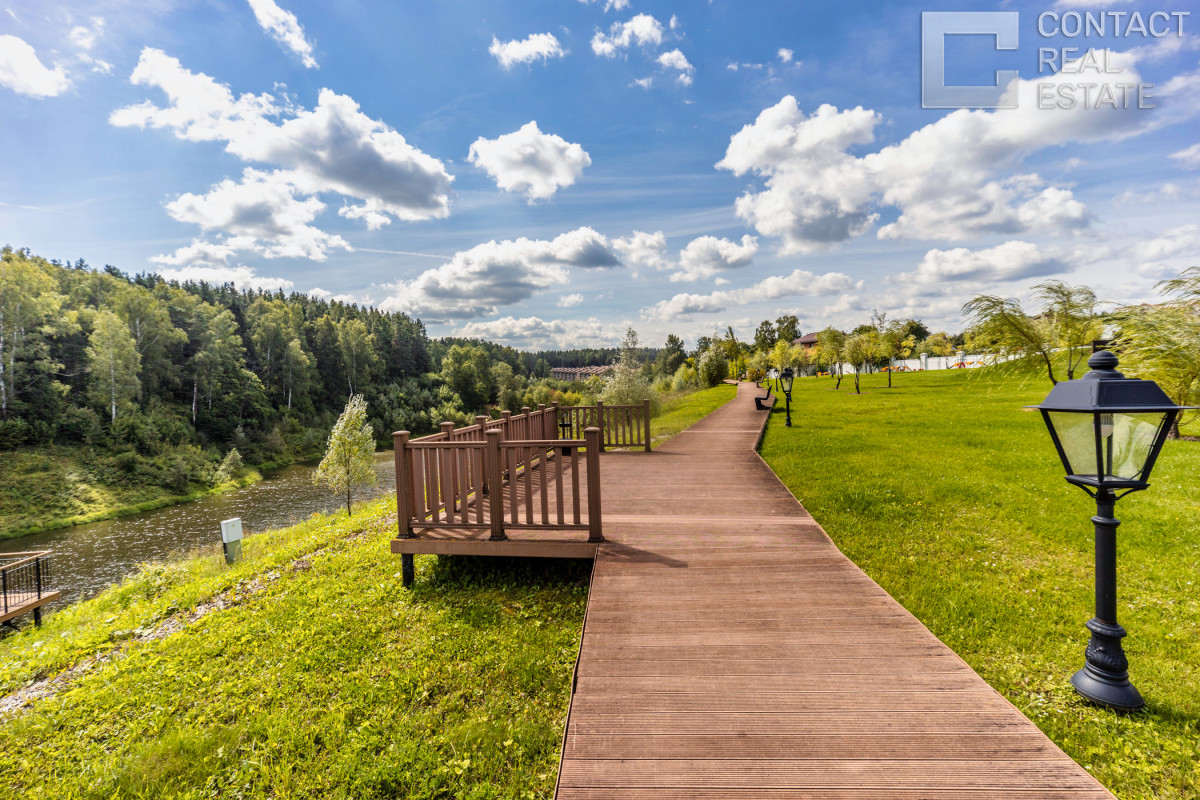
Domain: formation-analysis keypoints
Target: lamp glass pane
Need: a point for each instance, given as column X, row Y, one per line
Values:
column 1077, row 435
column 1132, row 438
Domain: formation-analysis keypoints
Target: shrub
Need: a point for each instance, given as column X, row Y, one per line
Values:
column 13, row 432
column 627, row 387
column 231, row 467
column 81, row 426
column 684, row 379
column 712, row 368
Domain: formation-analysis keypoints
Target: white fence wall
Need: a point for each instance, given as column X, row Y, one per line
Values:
column 935, row 362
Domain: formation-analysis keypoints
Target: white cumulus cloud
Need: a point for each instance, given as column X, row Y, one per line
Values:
column 523, row 51
column 705, row 256
column 528, row 161
column 641, row 249
column 677, row 61
column 799, row 283
column 84, row 37
column 535, row 333
column 262, row 213
column 24, row 73
column 199, row 253
column 785, row 55
column 477, row 282
column 1167, row 253
column 1010, row 261
column 570, row 300
column 642, row 30
column 956, row 178
column 284, row 28
column 333, row 148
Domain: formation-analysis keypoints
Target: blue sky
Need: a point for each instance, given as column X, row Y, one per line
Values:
column 547, row 173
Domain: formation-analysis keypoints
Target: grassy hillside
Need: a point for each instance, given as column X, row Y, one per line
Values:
column 952, row 498
column 304, row 671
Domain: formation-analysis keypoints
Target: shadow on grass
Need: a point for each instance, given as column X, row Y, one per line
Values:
column 493, row 572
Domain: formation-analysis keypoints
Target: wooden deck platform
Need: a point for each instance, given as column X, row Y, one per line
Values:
column 26, row 604
column 731, row 651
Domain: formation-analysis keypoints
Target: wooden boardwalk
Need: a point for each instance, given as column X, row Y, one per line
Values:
column 731, row 651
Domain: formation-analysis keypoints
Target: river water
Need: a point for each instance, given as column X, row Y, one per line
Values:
column 89, row 558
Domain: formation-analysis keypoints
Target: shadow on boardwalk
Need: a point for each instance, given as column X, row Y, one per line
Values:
column 731, row 651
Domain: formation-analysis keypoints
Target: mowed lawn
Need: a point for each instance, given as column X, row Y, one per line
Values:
column 952, row 498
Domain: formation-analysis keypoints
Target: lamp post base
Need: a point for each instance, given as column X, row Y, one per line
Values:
column 1104, row 679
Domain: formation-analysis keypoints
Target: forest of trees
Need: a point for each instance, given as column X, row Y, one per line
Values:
column 167, row 378
column 160, row 382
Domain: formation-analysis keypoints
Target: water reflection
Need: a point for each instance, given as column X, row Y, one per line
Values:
column 89, row 558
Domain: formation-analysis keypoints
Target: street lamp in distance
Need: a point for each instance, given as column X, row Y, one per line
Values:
column 785, row 380
column 1108, row 430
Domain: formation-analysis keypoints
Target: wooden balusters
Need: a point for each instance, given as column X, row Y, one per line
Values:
column 592, row 440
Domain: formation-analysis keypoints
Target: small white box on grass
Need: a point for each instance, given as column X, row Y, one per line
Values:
column 231, row 539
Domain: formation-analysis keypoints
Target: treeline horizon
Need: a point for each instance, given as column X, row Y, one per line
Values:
column 154, row 367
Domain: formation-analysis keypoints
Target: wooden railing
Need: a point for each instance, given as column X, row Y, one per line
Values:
column 518, row 471
column 620, row 426
column 444, row 481
column 24, row 584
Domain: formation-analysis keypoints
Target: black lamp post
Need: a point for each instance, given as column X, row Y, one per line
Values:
column 785, row 379
column 1108, row 430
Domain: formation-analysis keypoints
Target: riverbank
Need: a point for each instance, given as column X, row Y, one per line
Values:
column 44, row 489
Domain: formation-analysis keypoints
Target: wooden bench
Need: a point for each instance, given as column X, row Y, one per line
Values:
column 759, row 401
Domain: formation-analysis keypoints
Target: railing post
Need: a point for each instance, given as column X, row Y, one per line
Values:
column 403, row 498
column 481, row 420
column 592, row 440
column 4, row 588
column 505, row 416
column 37, row 573
column 447, row 429
column 600, row 422
column 646, row 414
column 541, row 422
column 491, row 466
column 403, row 484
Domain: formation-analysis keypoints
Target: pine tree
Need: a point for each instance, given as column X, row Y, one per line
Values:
column 349, row 456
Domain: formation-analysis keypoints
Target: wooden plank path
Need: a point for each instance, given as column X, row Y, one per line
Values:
column 731, row 651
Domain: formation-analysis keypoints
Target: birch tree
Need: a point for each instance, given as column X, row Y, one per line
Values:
column 112, row 353
column 296, row 370
column 349, row 456
column 29, row 307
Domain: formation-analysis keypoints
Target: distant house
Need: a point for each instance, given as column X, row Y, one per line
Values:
column 577, row 373
column 808, row 341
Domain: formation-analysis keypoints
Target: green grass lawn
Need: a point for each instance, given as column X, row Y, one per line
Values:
column 952, row 498
column 322, row 678
column 681, row 411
